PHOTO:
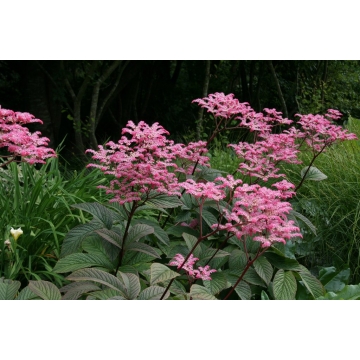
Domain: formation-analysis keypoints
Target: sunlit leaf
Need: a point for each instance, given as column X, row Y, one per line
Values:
column 284, row 285
column 45, row 289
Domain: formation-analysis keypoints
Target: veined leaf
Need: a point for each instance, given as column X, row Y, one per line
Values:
column 131, row 284
column 45, row 289
column 263, row 269
column 208, row 217
column 198, row 292
column 164, row 201
column 144, row 248
column 159, row 232
column 281, row 262
column 78, row 261
column 284, row 285
column 217, row 283
column 98, row 276
column 312, row 284
column 153, row 293
column 313, row 174
column 27, row 294
column 264, row 295
column 160, row 273
column 349, row 292
column 334, row 280
column 190, row 241
column 138, row 231
column 74, row 290
column 111, row 236
column 8, row 289
column 237, row 260
column 304, row 219
column 105, row 215
column 74, row 238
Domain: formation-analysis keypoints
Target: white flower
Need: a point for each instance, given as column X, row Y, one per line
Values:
column 16, row 233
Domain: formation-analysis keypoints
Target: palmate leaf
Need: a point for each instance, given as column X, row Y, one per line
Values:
column 8, row 289
column 160, row 273
column 198, row 292
column 78, row 261
column 99, row 276
column 105, row 215
column 153, row 293
column 313, row 174
column 284, row 285
column 45, row 290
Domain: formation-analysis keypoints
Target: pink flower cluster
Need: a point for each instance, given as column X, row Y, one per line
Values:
column 199, row 273
column 319, row 132
column 19, row 140
column 146, row 161
column 261, row 213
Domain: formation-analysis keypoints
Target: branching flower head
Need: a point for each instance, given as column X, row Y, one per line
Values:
column 19, row 140
column 200, row 273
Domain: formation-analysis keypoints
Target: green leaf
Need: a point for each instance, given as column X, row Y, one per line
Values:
column 105, row 215
column 45, row 289
column 78, row 261
column 264, row 295
column 243, row 290
column 8, row 289
column 74, row 238
column 237, row 260
column 131, row 284
column 98, row 276
column 164, row 201
column 217, row 283
column 137, row 232
column 159, row 232
column 349, row 292
column 333, row 279
column 312, row 284
column 190, row 242
column 208, row 217
column 76, row 289
column 141, row 247
column 178, row 230
column 253, row 278
column 313, row 174
column 106, row 294
column 296, row 215
column 111, row 236
column 264, row 269
column 284, row 285
column 160, row 273
column 153, row 293
column 282, row 262
column 27, row 294
column 198, row 292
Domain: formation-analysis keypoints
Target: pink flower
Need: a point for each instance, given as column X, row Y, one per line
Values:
column 19, row 140
column 200, row 273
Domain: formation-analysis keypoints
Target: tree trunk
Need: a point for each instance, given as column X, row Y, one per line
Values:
column 278, row 87
column 199, row 123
